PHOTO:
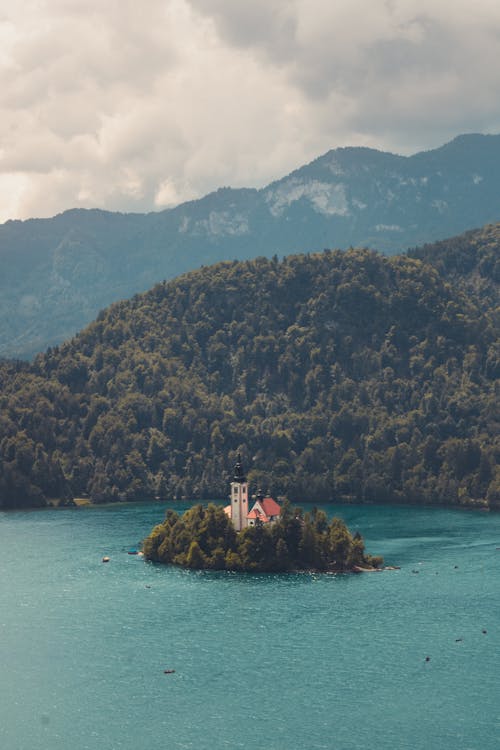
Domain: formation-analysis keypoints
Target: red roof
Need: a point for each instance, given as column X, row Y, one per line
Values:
column 265, row 510
column 270, row 507
column 255, row 513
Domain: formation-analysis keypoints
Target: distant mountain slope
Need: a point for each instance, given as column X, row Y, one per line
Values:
column 56, row 274
column 340, row 376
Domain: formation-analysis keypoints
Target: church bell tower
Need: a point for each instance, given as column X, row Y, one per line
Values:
column 239, row 497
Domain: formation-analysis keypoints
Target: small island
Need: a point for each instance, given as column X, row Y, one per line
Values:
column 217, row 538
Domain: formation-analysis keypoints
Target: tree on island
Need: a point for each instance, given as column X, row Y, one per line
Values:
column 204, row 538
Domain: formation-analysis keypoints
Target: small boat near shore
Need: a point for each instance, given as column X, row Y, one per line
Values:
column 359, row 569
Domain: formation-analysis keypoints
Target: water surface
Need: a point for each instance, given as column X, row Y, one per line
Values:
column 275, row 662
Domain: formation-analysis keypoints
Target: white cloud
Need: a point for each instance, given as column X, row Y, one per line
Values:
column 136, row 106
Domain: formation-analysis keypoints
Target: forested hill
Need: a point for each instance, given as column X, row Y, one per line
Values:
column 339, row 376
column 56, row 274
column 471, row 262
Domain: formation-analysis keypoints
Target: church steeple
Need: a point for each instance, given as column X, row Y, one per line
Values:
column 239, row 497
column 239, row 474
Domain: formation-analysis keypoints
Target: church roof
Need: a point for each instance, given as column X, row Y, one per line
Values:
column 270, row 507
column 264, row 510
column 255, row 513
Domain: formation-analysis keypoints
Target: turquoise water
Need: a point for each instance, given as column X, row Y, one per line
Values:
column 270, row 662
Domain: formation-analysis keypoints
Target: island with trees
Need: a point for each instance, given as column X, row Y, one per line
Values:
column 204, row 538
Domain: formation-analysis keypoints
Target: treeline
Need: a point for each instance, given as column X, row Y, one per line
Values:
column 204, row 538
column 339, row 376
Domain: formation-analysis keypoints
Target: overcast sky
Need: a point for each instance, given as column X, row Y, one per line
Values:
column 137, row 106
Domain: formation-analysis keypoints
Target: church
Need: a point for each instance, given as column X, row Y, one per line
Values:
column 265, row 510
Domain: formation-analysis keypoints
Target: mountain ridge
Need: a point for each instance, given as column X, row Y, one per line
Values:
column 56, row 274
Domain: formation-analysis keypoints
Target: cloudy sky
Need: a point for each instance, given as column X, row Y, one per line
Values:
column 137, row 106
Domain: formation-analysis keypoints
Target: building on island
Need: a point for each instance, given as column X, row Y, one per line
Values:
column 264, row 510
column 238, row 510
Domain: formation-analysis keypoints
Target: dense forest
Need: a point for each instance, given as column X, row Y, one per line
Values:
column 472, row 263
column 338, row 376
column 204, row 538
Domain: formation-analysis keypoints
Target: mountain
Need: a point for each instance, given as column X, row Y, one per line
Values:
column 339, row 376
column 56, row 274
column 471, row 262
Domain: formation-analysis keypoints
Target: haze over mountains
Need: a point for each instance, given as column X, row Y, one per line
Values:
column 56, row 274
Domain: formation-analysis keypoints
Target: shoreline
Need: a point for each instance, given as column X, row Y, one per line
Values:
column 83, row 502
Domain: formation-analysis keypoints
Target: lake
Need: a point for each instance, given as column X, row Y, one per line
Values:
column 262, row 662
